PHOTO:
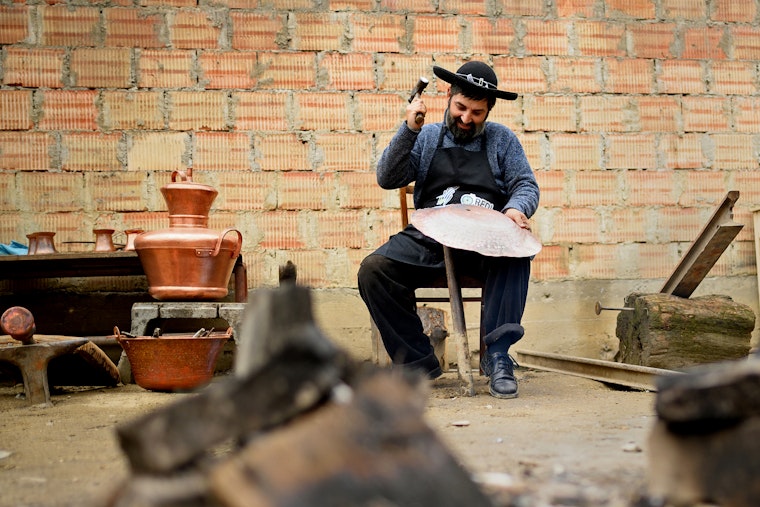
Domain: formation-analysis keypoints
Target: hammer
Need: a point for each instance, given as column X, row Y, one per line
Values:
column 416, row 91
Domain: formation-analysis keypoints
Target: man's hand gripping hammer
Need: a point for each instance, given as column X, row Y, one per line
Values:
column 416, row 91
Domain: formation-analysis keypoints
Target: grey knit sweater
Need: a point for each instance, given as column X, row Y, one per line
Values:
column 409, row 154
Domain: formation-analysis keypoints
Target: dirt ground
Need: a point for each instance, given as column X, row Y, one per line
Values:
column 565, row 441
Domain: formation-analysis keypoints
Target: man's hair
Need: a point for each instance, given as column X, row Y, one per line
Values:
column 473, row 94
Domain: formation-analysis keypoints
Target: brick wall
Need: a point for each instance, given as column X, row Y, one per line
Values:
column 637, row 116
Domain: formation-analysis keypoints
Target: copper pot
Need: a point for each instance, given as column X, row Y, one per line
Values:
column 104, row 240
column 43, row 243
column 131, row 235
column 188, row 260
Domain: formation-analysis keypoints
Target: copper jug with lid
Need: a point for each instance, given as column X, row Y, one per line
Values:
column 187, row 260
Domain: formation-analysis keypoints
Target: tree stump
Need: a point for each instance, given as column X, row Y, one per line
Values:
column 670, row 332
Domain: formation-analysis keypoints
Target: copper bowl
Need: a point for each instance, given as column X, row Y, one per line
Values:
column 173, row 362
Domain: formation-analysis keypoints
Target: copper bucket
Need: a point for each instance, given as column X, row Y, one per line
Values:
column 188, row 261
column 173, row 362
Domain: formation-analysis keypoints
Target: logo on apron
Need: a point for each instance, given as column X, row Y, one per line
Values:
column 474, row 200
column 446, row 196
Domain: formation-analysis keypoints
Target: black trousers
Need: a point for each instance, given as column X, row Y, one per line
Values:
column 387, row 287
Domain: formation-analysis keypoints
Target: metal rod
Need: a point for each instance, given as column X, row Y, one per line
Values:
column 629, row 375
column 598, row 308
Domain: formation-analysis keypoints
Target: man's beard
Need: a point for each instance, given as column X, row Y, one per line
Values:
column 460, row 135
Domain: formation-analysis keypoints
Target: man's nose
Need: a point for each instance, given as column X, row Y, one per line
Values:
column 466, row 117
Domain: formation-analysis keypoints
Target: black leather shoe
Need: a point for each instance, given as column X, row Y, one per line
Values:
column 503, row 383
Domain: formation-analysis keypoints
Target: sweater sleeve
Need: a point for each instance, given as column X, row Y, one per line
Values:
column 520, row 183
column 397, row 166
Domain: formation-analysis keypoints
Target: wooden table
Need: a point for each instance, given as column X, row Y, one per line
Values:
column 88, row 264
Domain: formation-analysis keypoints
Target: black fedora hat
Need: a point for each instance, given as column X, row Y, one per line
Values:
column 476, row 76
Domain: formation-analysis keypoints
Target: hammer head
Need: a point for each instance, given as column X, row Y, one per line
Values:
column 421, row 84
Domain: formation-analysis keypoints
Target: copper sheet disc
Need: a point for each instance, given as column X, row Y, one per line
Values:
column 478, row 229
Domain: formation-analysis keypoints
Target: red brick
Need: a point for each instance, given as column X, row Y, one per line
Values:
column 436, row 34
column 576, row 225
column 492, row 35
column 313, row 267
column 380, row 112
column 382, row 224
column 132, row 110
column 162, row 3
column 548, row 113
column 349, row 71
column 401, row 72
column 340, row 229
column 629, row 75
column 227, row 69
column 299, row 190
column 521, row 75
column 8, row 197
column 165, row 68
column 631, row 151
column 360, row 190
column 101, row 67
column 703, row 188
column 746, row 42
column 705, row 114
column 653, row 260
column 196, row 110
column 703, row 43
column 33, row 68
column 682, row 151
column 131, row 187
column 639, row 9
column 649, row 188
column 16, row 107
column 281, row 229
column 47, row 192
column 748, row 183
column 552, row 185
column 681, row 76
column 597, row 261
column 596, row 38
column 90, row 151
column 65, row 25
column 69, row 110
column 194, row 29
column 659, row 113
column 15, row 23
column 628, row 225
column 222, row 151
column 507, row 112
column 407, row 6
column 684, row 9
column 25, row 150
column 377, row 33
column 318, row 31
column 546, row 37
column 258, row 31
column 342, row 5
column 157, row 151
column 747, row 114
column 344, row 152
column 134, row 27
column 575, row 75
column 313, row 111
column 575, row 151
column 261, row 111
column 282, row 152
column 607, row 113
column 293, row 71
column 740, row 11
column 733, row 78
column 652, row 40
column 576, row 8
column 551, row 263
column 246, row 191
column 593, row 188
column 680, row 223
column 734, row 151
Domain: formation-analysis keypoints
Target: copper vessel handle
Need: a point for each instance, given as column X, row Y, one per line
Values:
column 186, row 175
column 221, row 237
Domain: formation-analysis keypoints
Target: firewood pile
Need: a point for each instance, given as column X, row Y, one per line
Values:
column 299, row 423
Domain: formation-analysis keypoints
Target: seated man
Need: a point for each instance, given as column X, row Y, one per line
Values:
column 463, row 159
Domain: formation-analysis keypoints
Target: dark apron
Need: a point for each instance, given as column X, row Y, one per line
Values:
column 456, row 176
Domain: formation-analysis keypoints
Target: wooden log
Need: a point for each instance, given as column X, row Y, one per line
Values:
column 671, row 332
column 373, row 450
